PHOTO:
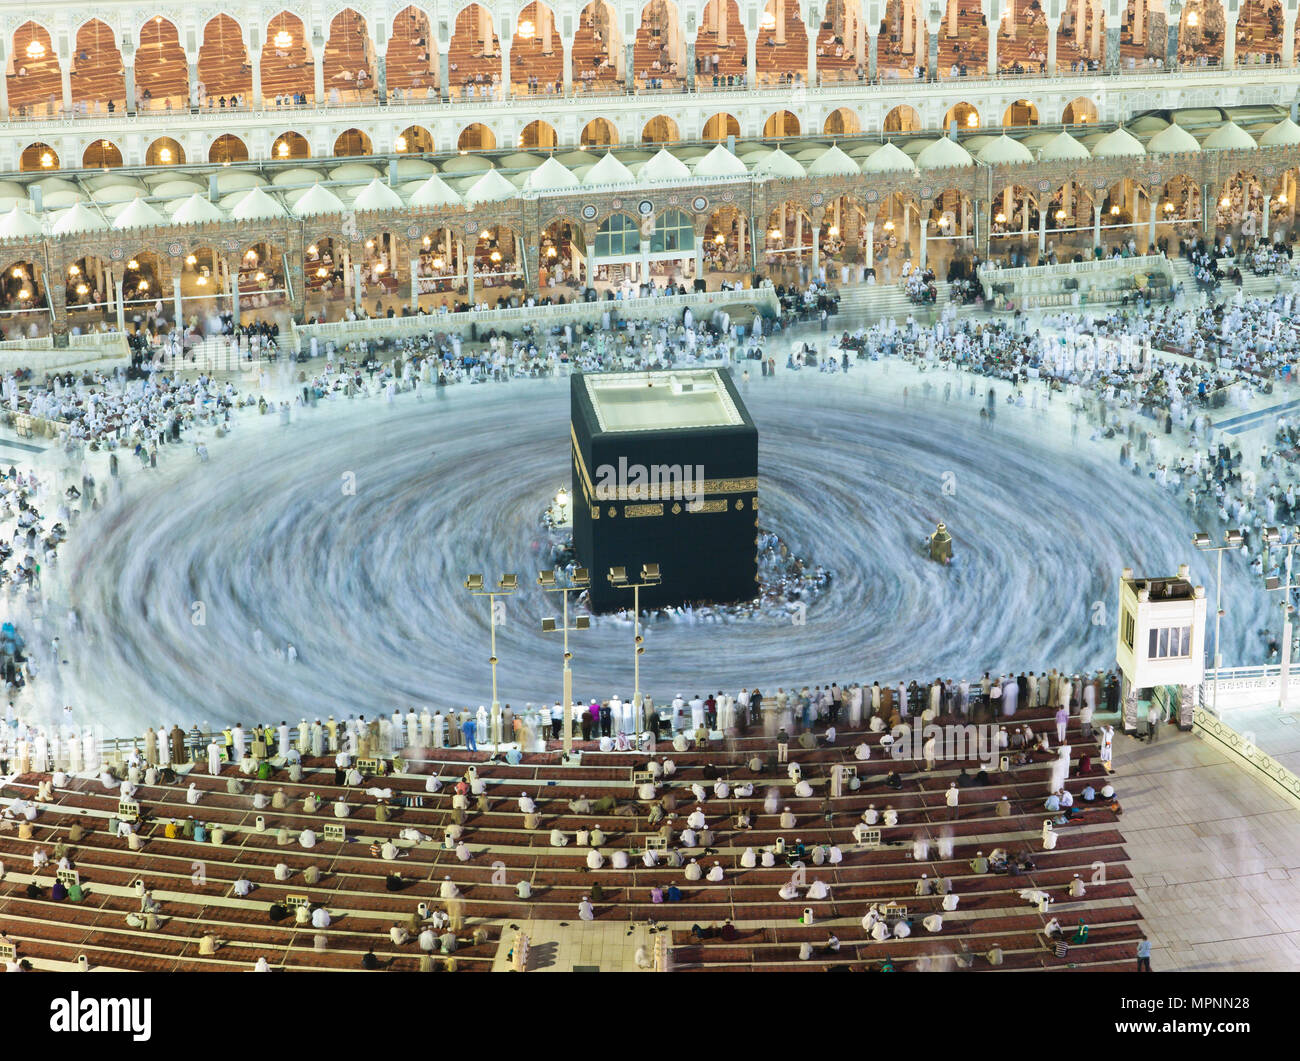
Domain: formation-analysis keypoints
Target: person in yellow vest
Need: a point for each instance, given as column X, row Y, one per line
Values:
column 228, row 738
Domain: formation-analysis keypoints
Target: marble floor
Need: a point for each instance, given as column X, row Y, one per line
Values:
column 1216, row 855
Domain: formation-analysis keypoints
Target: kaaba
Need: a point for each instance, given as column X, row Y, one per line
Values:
column 665, row 471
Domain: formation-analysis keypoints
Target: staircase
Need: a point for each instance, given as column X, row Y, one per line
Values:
column 864, row 304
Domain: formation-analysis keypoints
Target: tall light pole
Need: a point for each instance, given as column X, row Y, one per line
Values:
column 1273, row 536
column 618, row 579
column 580, row 581
column 1232, row 540
column 506, row 585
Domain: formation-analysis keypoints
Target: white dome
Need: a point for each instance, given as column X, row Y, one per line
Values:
column 1284, row 133
column 833, row 162
column 1003, row 151
column 317, row 200
column 18, row 224
column 196, row 210
column 139, row 214
column 77, row 218
column 1063, row 148
column 888, row 158
column 1228, row 137
column 434, row 192
column 1118, row 144
column 377, row 196
column 778, row 164
column 1171, row 139
column 550, row 176
column 664, row 166
column 609, row 170
column 490, row 188
column 720, row 163
column 943, row 154
column 256, row 206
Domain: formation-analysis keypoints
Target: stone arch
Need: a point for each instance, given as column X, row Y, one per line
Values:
column 38, row 156
column 348, row 58
column 228, row 148
column 903, row 119
column 720, row 126
column 286, row 59
column 414, row 140
column 476, row 137
column 538, row 135
column 165, row 151
column 36, row 83
column 1080, row 111
column 659, row 56
column 475, row 51
column 352, row 142
column 223, row 62
column 660, row 129
column 599, row 132
column 161, row 72
column 597, row 47
column 1201, row 32
column 964, row 114
column 1020, row 113
column 101, row 154
column 97, row 75
column 411, row 57
column 842, row 121
column 290, row 144
column 781, row 124
column 782, row 52
column 720, row 33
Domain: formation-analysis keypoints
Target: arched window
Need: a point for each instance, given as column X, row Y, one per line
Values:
column 617, row 236
column 674, row 231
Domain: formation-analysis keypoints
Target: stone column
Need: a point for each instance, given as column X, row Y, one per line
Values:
column 120, row 299
column 1171, row 36
column 232, row 271
column 925, row 226
column 993, row 38
column 1053, row 25
column 629, row 66
column 4, row 81
column 567, row 47
column 469, row 275
column 1042, row 230
column 256, row 59
column 178, row 306
column 751, row 59
column 690, row 66
column 129, row 84
column 1288, row 35
column 415, row 285
column 1151, row 225
column 932, row 63
column 1263, row 229
column 645, row 261
column 1208, row 202
column 814, row 28
column 57, row 292
column 444, row 74
column 1096, row 225
column 1229, row 38
column 1128, row 702
column 871, row 56
column 381, row 76
column 1112, row 50
column 1186, row 705
column 318, row 67
column 65, row 71
column 871, row 253
column 357, row 271
column 507, row 41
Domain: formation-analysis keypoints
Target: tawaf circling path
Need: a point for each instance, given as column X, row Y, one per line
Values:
column 665, row 472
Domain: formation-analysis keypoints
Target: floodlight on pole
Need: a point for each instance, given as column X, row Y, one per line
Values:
column 578, row 581
column 1231, row 540
column 650, row 576
column 506, row 585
